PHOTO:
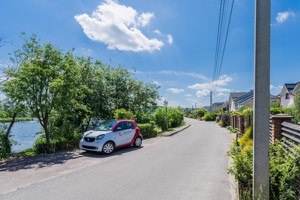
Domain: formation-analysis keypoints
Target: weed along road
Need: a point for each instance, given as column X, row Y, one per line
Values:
column 191, row 164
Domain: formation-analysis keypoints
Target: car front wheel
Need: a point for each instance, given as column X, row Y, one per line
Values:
column 137, row 142
column 108, row 148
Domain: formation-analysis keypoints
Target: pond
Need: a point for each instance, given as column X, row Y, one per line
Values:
column 24, row 133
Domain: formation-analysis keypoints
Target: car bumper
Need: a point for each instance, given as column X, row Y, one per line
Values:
column 91, row 146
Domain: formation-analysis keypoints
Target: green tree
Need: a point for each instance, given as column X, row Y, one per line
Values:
column 200, row 112
column 123, row 114
column 31, row 83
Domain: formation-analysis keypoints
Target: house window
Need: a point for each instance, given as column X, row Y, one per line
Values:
column 287, row 96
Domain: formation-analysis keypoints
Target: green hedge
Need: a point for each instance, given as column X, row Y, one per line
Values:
column 148, row 130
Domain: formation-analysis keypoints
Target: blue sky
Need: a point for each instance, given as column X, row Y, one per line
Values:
column 169, row 42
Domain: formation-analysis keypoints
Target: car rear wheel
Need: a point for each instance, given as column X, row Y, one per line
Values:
column 138, row 142
column 108, row 148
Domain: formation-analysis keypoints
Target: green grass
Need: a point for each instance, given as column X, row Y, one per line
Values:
column 20, row 119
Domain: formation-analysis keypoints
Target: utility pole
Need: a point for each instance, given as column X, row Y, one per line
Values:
column 261, row 100
column 210, row 101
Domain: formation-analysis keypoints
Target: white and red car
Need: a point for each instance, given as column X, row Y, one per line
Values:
column 110, row 135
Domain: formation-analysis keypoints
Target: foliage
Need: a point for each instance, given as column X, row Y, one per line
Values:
column 224, row 120
column 295, row 109
column 241, row 169
column 5, row 144
column 209, row 116
column 284, row 169
column 277, row 110
column 144, row 118
column 172, row 116
column 123, row 114
column 148, row 130
column 175, row 117
column 247, row 138
column 200, row 112
column 65, row 92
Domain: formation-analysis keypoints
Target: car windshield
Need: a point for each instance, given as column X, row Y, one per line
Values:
column 106, row 125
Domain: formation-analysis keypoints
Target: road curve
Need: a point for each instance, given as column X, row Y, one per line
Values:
column 189, row 165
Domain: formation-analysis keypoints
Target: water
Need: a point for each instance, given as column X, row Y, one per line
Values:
column 24, row 133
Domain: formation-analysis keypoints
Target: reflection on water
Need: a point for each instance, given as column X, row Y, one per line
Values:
column 24, row 133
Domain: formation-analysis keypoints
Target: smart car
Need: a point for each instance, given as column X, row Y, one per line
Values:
column 110, row 135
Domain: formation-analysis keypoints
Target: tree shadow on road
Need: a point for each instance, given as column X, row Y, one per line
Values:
column 42, row 161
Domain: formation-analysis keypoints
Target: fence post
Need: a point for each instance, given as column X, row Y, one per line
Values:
column 241, row 124
column 276, row 125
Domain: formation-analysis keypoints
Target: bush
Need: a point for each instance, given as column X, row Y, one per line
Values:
column 209, row 117
column 175, row 117
column 200, row 112
column 5, row 145
column 246, row 139
column 58, row 143
column 123, row 114
column 284, row 170
column 143, row 118
column 224, row 120
column 148, row 130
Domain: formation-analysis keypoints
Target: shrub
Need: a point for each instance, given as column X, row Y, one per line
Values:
column 200, row 112
column 160, row 117
column 246, row 138
column 209, row 117
column 175, row 118
column 143, row 118
column 123, row 114
column 5, row 145
column 57, row 143
column 148, row 130
column 224, row 120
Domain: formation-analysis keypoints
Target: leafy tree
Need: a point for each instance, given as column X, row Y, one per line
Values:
column 200, row 112
column 123, row 114
column 31, row 83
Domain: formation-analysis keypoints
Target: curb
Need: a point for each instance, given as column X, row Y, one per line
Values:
column 176, row 131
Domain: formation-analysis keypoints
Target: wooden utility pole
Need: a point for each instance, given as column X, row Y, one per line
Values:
column 261, row 100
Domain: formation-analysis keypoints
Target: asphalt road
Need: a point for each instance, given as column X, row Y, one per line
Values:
column 189, row 165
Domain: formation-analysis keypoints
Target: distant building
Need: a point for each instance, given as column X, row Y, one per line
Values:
column 246, row 100
column 288, row 93
column 232, row 106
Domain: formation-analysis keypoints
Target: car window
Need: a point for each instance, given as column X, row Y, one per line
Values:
column 106, row 125
column 120, row 126
column 130, row 125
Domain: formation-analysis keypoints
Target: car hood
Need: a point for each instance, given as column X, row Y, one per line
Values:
column 95, row 133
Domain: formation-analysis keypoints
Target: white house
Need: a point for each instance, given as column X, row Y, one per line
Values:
column 288, row 93
column 245, row 99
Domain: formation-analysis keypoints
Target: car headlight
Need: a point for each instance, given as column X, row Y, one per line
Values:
column 100, row 137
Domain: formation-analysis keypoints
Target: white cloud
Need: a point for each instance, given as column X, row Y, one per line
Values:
column 157, row 32
column 202, row 93
column 118, row 27
column 175, row 90
column 284, row 16
column 203, row 89
column 188, row 95
column 145, row 18
column 180, row 73
column 170, row 39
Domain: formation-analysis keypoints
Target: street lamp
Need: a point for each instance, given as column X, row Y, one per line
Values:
column 166, row 105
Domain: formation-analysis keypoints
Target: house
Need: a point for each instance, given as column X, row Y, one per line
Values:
column 217, row 106
column 245, row 99
column 288, row 93
column 231, row 102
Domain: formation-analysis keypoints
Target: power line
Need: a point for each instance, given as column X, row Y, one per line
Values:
column 221, row 41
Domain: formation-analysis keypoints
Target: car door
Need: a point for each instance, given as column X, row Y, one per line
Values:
column 119, row 134
column 130, row 131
